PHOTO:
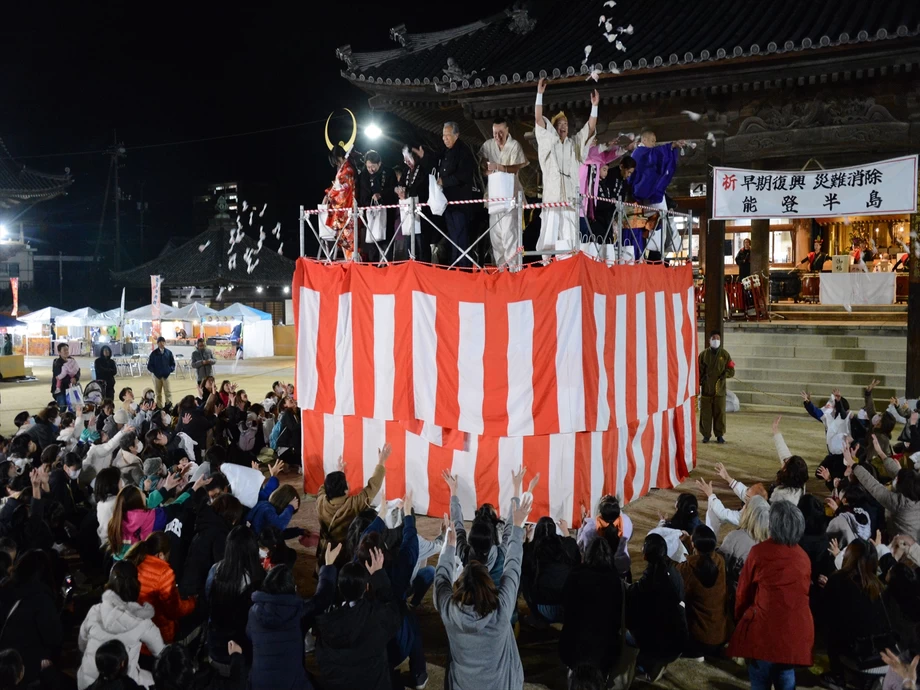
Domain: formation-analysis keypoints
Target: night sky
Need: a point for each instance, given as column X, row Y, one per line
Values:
column 73, row 73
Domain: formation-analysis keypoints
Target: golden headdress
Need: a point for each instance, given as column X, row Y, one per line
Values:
column 558, row 116
column 354, row 132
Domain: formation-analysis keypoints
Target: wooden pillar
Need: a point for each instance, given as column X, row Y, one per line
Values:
column 912, row 385
column 715, row 258
column 760, row 246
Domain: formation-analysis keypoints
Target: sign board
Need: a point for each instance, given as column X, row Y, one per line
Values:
column 885, row 187
column 841, row 263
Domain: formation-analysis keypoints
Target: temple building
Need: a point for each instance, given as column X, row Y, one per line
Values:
column 783, row 85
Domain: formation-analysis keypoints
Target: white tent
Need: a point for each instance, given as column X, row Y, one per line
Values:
column 43, row 315
column 78, row 317
column 193, row 312
column 112, row 317
column 145, row 313
column 258, row 334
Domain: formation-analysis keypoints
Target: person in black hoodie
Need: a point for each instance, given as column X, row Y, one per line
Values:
column 351, row 639
column 194, row 423
column 29, row 609
column 106, row 370
column 593, row 602
column 375, row 186
column 815, row 543
column 548, row 561
column 66, row 489
column 420, row 164
column 211, row 528
column 277, row 620
column 456, row 176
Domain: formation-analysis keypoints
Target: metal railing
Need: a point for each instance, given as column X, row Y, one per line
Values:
column 596, row 245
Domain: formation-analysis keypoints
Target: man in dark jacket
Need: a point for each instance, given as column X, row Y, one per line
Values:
column 375, row 186
column 456, row 173
column 420, row 165
column 351, row 640
column 66, row 490
column 161, row 364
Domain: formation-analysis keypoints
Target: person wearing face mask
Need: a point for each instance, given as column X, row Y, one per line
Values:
column 716, row 366
column 66, row 489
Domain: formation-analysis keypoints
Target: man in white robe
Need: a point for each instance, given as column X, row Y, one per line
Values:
column 502, row 155
column 560, row 160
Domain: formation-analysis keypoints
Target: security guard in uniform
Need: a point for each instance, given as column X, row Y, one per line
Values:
column 716, row 365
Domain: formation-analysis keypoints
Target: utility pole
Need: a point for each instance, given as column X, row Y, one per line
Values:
column 116, row 152
column 142, row 208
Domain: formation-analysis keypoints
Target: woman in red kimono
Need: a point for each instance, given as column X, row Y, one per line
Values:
column 340, row 198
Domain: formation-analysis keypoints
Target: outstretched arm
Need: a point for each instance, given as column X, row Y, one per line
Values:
column 538, row 111
column 592, row 121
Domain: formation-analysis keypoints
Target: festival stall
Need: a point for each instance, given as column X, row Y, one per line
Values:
column 257, row 333
column 41, row 338
column 184, row 320
column 12, row 363
column 138, row 323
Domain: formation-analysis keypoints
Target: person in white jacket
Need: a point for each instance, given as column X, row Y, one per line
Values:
column 119, row 617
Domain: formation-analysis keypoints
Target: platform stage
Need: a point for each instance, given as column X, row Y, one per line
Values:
column 585, row 373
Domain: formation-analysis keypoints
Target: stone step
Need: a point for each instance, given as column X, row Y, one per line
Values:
column 819, row 390
column 874, row 317
column 806, row 307
column 815, row 354
column 878, row 342
column 833, row 378
column 865, row 368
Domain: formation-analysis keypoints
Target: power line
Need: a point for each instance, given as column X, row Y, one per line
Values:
column 172, row 143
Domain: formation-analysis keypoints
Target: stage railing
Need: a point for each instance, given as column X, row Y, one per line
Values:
column 670, row 225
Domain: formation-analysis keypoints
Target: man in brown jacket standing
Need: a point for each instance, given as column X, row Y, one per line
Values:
column 336, row 509
column 716, row 365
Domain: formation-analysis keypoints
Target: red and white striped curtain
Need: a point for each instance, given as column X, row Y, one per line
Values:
column 586, row 373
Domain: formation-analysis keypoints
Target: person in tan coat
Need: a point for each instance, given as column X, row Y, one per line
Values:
column 336, row 509
column 705, row 596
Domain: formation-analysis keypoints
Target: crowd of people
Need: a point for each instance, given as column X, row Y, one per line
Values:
column 451, row 175
column 154, row 540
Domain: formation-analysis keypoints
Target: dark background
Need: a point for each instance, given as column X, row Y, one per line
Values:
column 75, row 73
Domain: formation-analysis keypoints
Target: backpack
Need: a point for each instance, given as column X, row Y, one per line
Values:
column 275, row 436
column 93, row 393
column 248, row 437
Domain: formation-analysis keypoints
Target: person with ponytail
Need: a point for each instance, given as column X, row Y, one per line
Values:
column 119, row 617
column 548, row 561
column 112, row 665
column 158, row 584
column 705, row 596
column 132, row 521
column 610, row 523
column 686, row 516
column 655, row 614
column 593, row 603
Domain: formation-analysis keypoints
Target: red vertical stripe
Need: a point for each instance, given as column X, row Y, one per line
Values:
column 362, row 324
column 325, row 352
column 439, row 459
column 353, row 452
column 312, row 426
column 495, row 370
column 447, row 328
column 396, row 465
column 536, row 460
column 663, row 481
column 545, row 398
column 628, row 488
column 486, row 473
column 404, row 381
column 611, row 442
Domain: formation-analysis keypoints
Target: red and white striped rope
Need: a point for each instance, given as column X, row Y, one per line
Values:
column 631, row 204
column 550, row 204
column 316, row 212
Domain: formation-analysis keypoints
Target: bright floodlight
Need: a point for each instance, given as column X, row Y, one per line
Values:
column 2, row 230
column 372, row 131
column 286, row 289
column 259, row 288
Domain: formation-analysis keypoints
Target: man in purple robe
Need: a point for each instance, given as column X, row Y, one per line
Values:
column 655, row 167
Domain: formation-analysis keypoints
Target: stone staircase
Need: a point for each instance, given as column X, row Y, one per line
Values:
column 883, row 314
column 774, row 363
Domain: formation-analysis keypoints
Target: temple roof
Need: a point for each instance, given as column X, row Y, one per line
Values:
column 19, row 183
column 549, row 38
column 203, row 262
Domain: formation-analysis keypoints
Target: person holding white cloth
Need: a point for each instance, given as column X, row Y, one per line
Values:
column 560, row 160
column 502, row 157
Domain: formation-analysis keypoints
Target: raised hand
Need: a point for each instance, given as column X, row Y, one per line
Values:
column 541, row 85
column 824, row 473
column 201, row 482
column 705, row 487
column 595, row 98
column 776, row 424
column 834, row 548
column 872, row 384
column 806, row 396
column 832, row 504
column 533, row 483
column 905, row 671
column 186, row 419
column 451, row 481
column 522, row 511
column 376, row 561
column 233, row 648
column 723, row 473
column 383, row 454
column 172, row 481
column 407, row 503
column 895, row 402
column 585, row 513
column 836, row 393
column 878, row 538
column 517, row 478
column 451, row 536
column 277, row 468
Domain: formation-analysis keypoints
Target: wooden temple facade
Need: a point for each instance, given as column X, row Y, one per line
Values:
column 780, row 85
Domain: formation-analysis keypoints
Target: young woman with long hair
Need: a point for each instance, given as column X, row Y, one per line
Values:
column 705, row 595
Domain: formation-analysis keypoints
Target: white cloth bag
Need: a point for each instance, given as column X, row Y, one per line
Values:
column 501, row 186
column 325, row 232
column 376, row 224
column 408, row 224
column 437, row 202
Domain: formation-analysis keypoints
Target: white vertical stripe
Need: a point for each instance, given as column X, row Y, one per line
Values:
column 673, row 450
column 661, row 336
column 384, row 361
column 520, row 368
column 464, row 467
column 561, row 476
column 619, row 364
column 639, row 455
column 424, row 355
column 656, row 451
column 417, row 472
column 689, row 435
column 510, row 459
column 374, row 438
column 432, row 433
column 597, row 469
column 600, row 322
column 570, row 378
column 333, row 441
column 679, row 344
column 344, row 362
column 470, row 351
column 622, row 461
column 692, row 386
column 307, row 334
column 641, row 359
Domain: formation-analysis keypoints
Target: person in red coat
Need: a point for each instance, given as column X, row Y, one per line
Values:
column 775, row 631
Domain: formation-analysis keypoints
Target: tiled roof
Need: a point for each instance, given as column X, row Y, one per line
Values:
column 186, row 266
column 18, row 183
column 550, row 39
